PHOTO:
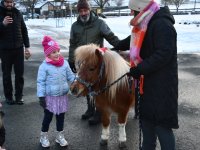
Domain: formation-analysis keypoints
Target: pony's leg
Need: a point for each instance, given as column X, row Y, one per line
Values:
column 105, row 128
column 122, row 132
column 105, row 133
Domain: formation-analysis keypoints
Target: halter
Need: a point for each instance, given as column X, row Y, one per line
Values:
column 95, row 93
column 90, row 85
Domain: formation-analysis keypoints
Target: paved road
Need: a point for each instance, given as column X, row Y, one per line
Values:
column 23, row 123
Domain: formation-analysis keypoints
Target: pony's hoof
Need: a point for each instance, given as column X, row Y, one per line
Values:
column 104, row 142
column 122, row 145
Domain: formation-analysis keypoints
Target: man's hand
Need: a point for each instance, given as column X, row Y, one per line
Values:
column 7, row 20
column 27, row 53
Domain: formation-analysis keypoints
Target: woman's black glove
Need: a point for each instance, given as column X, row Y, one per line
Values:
column 134, row 72
column 123, row 45
column 42, row 102
column 72, row 66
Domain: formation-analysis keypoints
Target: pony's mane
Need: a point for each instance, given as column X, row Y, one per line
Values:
column 115, row 65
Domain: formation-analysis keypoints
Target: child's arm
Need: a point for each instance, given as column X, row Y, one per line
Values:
column 70, row 75
column 41, row 81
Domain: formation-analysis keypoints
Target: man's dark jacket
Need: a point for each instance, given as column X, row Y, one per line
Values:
column 93, row 31
column 15, row 35
column 159, row 104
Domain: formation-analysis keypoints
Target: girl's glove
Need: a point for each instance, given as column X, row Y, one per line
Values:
column 42, row 102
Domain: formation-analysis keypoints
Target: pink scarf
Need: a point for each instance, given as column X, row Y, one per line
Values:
column 56, row 63
column 140, row 23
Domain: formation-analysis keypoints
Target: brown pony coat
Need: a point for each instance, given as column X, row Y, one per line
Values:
column 117, row 98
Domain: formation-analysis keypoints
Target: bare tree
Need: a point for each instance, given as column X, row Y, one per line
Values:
column 165, row 2
column 195, row 4
column 119, row 4
column 29, row 4
column 101, row 3
column 177, row 3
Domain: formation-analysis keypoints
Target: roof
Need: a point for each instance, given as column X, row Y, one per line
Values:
column 41, row 4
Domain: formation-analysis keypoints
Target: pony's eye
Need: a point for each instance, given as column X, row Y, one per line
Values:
column 91, row 69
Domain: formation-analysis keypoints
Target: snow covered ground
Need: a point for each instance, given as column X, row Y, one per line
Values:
column 188, row 34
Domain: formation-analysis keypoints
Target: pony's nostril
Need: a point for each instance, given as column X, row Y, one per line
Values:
column 75, row 90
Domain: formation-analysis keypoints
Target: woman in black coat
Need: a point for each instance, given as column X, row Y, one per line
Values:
column 159, row 102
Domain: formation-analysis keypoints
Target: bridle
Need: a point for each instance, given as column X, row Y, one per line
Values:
column 103, row 89
column 89, row 85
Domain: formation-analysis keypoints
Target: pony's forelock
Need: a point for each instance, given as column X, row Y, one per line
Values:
column 86, row 52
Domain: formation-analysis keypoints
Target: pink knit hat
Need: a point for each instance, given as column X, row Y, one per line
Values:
column 49, row 45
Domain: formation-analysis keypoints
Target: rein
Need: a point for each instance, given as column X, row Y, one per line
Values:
column 138, row 111
column 103, row 89
column 95, row 93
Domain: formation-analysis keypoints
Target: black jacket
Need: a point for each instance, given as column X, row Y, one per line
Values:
column 159, row 104
column 15, row 35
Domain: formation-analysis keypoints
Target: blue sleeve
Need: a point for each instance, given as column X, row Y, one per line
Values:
column 70, row 75
column 41, row 81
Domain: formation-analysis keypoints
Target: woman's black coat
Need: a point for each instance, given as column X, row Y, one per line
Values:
column 159, row 103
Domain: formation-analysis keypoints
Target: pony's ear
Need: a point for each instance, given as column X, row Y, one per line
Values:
column 101, row 50
column 99, row 53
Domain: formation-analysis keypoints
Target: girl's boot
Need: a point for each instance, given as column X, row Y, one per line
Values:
column 60, row 139
column 44, row 139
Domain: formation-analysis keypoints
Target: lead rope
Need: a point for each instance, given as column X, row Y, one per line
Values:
column 138, row 111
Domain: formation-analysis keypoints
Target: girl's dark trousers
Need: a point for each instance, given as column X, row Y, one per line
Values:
column 48, row 118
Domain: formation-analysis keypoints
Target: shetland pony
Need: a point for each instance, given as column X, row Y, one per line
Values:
column 97, row 69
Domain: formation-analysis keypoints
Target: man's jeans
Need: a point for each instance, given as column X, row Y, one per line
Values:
column 9, row 60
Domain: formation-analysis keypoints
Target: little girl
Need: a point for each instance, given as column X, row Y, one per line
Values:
column 52, row 89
